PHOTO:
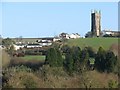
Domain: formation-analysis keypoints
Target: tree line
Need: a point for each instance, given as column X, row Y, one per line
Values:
column 77, row 59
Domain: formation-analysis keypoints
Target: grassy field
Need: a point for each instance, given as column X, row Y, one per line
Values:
column 93, row 42
column 33, row 57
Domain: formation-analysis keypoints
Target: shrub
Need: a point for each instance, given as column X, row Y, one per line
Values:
column 112, row 84
column 29, row 83
column 5, row 59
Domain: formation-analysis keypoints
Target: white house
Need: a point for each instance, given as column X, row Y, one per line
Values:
column 34, row 45
column 74, row 35
column 18, row 46
column 64, row 36
column 68, row 36
column 56, row 39
column 110, row 32
column 45, row 43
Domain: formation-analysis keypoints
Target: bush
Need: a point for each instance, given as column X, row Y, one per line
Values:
column 112, row 84
column 5, row 59
column 33, row 52
column 29, row 83
column 19, row 76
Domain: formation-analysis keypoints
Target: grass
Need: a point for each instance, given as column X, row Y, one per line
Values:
column 33, row 57
column 93, row 42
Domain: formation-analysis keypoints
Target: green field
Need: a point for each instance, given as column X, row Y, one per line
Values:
column 33, row 57
column 95, row 43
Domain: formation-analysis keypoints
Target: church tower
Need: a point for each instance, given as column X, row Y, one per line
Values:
column 96, row 23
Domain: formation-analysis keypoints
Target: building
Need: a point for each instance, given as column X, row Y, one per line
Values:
column 64, row 36
column 96, row 23
column 69, row 36
column 74, row 35
column 45, row 41
column 33, row 45
column 111, row 33
column 18, row 46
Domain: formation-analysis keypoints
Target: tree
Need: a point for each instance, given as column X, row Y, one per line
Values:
column 54, row 57
column 100, row 59
column 59, row 58
column 105, row 60
column 65, row 48
column 69, row 61
column 111, row 61
column 51, row 57
column 84, row 59
column 88, row 34
column 7, row 43
column 90, row 51
column 76, row 55
column 11, row 50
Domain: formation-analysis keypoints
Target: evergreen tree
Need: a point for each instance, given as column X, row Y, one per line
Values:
column 84, row 59
column 100, row 59
column 69, row 61
column 59, row 58
column 90, row 51
column 54, row 57
column 105, row 61
column 76, row 54
column 111, row 61
column 65, row 48
column 51, row 57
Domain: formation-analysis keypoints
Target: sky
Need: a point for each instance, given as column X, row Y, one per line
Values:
column 44, row 19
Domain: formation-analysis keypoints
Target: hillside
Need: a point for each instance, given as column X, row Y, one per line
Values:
column 95, row 43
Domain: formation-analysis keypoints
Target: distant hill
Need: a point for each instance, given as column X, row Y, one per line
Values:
column 95, row 43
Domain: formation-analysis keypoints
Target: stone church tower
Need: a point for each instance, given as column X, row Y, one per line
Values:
column 96, row 23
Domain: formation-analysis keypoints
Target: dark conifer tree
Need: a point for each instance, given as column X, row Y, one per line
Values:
column 76, row 54
column 111, row 61
column 69, row 61
column 51, row 57
column 100, row 59
column 84, row 59
column 59, row 58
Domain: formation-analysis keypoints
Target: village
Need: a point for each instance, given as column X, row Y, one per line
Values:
column 68, row 59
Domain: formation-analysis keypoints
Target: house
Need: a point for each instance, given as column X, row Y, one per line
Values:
column 33, row 45
column 18, row 46
column 56, row 39
column 64, row 36
column 111, row 33
column 68, row 36
column 47, row 41
column 74, row 35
